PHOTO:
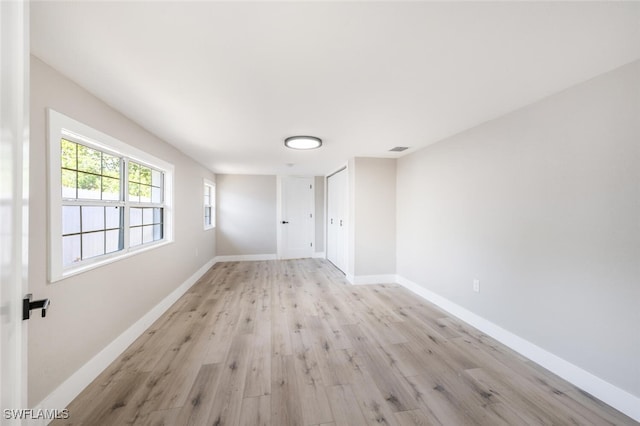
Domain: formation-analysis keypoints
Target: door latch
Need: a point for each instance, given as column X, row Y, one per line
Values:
column 28, row 304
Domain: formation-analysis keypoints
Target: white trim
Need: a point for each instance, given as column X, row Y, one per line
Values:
column 61, row 125
column 246, row 257
column 373, row 279
column 105, row 259
column 70, row 388
column 618, row 398
column 319, row 255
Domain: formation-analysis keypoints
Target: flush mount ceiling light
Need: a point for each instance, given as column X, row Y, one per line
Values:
column 303, row 142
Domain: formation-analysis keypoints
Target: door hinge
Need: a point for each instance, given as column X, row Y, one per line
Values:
column 310, row 186
column 311, row 244
column 310, row 214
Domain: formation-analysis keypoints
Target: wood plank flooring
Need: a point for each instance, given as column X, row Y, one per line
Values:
column 291, row 343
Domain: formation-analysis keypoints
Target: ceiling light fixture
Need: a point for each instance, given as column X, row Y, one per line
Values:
column 303, row 142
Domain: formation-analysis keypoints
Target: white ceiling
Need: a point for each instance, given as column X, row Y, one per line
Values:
column 226, row 82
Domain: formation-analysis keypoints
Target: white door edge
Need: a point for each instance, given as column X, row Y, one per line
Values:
column 14, row 196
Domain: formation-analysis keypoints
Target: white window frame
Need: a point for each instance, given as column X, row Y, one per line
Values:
column 212, row 200
column 60, row 126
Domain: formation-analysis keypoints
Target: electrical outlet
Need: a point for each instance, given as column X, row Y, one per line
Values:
column 476, row 285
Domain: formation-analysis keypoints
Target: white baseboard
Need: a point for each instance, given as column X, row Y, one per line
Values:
column 319, row 255
column 70, row 388
column 619, row 399
column 246, row 257
column 373, row 279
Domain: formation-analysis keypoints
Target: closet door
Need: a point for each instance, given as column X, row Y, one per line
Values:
column 337, row 219
column 331, row 215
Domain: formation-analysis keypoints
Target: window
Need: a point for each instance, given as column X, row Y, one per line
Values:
column 146, row 208
column 108, row 200
column 209, row 204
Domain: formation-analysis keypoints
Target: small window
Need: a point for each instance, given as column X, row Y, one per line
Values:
column 209, row 205
column 145, row 200
column 107, row 199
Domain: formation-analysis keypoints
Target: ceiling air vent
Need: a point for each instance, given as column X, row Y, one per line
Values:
column 399, row 149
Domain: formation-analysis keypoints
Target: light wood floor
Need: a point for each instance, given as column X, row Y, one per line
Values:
column 291, row 343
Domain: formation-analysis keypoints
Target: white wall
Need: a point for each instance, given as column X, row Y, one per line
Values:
column 246, row 215
column 88, row 311
column 543, row 206
column 372, row 217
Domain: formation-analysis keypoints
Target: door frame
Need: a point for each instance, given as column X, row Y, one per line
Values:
column 14, row 201
column 279, row 202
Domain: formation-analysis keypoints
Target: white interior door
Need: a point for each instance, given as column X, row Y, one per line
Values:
column 337, row 219
column 297, row 224
column 14, row 119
